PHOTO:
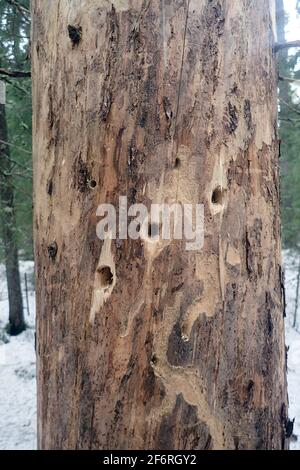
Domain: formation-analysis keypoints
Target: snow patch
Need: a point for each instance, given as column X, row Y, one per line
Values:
column 293, row 343
column 18, row 420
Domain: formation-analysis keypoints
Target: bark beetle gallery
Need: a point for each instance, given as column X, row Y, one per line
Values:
column 160, row 101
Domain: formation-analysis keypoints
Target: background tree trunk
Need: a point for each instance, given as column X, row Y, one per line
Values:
column 160, row 101
column 8, row 227
column 282, row 56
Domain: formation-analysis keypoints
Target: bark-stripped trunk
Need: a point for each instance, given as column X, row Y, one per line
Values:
column 160, row 101
column 8, row 227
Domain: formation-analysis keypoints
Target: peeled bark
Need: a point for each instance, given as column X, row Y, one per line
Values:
column 160, row 101
column 8, row 228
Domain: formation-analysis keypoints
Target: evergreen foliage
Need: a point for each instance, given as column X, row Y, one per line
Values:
column 15, row 55
column 289, row 119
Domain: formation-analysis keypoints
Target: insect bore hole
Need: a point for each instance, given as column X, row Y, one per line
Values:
column 92, row 184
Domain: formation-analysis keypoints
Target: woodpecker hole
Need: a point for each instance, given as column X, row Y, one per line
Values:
column 106, row 277
column 177, row 163
column 52, row 250
column 217, row 196
column 75, row 34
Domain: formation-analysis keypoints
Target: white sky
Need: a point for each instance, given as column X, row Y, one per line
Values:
column 293, row 26
column 292, row 31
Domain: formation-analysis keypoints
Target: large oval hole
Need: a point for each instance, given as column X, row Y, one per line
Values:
column 218, row 196
column 106, row 277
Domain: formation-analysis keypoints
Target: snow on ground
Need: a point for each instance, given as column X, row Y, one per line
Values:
column 18, row 378
column 293, row 342
column 17, row 373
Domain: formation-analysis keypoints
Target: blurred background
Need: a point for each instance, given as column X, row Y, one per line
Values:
column 17, row 300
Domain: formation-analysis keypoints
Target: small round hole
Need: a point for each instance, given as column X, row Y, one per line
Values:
column 217, row 196
column 92, row 184
column 106, row 277
column 154, row 359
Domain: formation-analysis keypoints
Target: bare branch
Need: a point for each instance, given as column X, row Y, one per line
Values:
column 15, row 163
column 11, row 174
column 15, row 85
column 15, row 146
column 288, row 119
column 289, row 79
column 286, row 45
column 15, row 73
column 23, row 10
column 295, row 110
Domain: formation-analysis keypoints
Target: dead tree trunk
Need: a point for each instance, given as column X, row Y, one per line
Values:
column 159, row 101
column 8, row 227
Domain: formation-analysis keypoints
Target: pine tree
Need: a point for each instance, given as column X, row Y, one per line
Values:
column 289, row 119
column 15, row 164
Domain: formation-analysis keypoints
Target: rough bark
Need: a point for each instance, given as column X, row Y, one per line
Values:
column 160, row 101
column 8, row 228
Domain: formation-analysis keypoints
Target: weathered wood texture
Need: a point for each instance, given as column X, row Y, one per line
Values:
column 160, row 101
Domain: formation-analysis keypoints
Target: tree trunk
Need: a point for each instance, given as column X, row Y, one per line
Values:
column 160, row 101
column 8, row 227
